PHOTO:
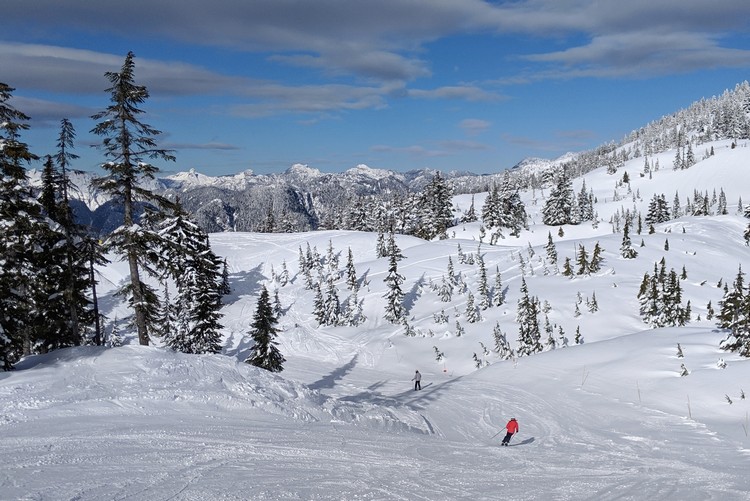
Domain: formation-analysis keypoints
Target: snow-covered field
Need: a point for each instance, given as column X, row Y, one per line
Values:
column 608, row 419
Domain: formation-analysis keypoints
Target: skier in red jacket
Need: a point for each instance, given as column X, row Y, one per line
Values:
column 512, row 428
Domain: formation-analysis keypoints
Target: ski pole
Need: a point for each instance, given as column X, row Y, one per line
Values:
column 496, row 434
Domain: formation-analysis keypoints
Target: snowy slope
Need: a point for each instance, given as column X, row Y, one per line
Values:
column 609, row 419
column 141, row 423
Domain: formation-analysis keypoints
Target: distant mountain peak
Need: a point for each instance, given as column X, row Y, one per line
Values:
column 303, row 170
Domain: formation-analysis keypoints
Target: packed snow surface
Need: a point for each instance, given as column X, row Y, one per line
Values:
column 606, row 420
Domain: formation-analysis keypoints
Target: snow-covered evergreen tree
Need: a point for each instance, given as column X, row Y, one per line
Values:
column 283, row 277
column 380, row 247
column 585, row 204
column 658, row 210
column 460, row 331
column 351, row 272
column 551, row 250
column 354, row 313
column 224, row 287
column 435, row 209
column 470, row 215
column 660, row 298
column 593, row 305
column 394, row 296
column 626, row 249
column 559, row 207
column 472, row 312
column 332, row 259
column 265, row 353
column 527, row 317
column 498, row 294
column 578, row 337
column 549, row 330
column 331, row 303
column 185, row 253
column 567, row 270
column 595, row 264
column 502, row 346
column 25, row 283
column 676, row 208
column 445, row 291
column 393, row 249
column 483, row 286
column 63, row 308
column 503, row 207
column 584, row 267
column 734, row 315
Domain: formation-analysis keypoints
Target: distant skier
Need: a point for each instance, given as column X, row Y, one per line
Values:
column 512, row 428
column 417, row 381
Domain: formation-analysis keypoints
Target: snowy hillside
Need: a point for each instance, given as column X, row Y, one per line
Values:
column 608, row 418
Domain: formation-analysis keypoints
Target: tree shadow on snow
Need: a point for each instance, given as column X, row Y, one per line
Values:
column 246, row 283
column 329, row 381
column 411, row 297
column 414, row 399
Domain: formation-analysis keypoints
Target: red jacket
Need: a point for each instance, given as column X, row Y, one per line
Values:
column 512, row 426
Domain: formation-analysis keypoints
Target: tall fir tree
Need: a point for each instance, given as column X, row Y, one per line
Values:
column 394, row 296
column 72, row 257
column 128, row 145
column 25, row 281
column 483, row 288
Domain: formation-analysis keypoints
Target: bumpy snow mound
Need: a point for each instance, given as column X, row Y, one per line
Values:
column 138, row 380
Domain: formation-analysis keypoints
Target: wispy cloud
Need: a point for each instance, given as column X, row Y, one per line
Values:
column 414, row 150
column 201, row 146
column 43, row 112
column 444, row 148
column 79, row 71
column 461, row 145
column 474, row 126
column 276, row 98
column 467, row 92
column 639, row 54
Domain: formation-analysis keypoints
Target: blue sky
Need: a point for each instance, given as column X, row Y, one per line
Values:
column 394, row 84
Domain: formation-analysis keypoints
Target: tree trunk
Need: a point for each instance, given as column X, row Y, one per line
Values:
column 140, row 314
column 135, row 278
